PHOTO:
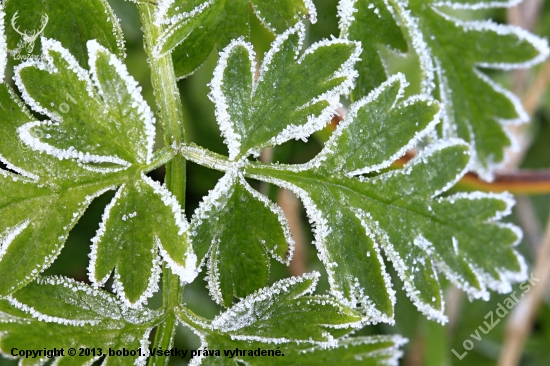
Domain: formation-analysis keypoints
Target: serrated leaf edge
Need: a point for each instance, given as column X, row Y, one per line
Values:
column 70, row 284
column 48, row 259
column 188, row 272
column 161, row 13
column 79, row 286
column 3, row 45
column 487, row 172
column 216, row 198
column 477, row 6
column 173, row 26
column 231, row 138
column 310, row 6
column 394, row 351
column 400, row 266
column 224, row 322
column 118, row 286
column 430, row 64
column 145, row 114
column 321, row 230
column 540, row 44
column 332, row 97
column 24, row 130
column 9, row 235
column 351, row 117
column 506, row 277
column 411, row 27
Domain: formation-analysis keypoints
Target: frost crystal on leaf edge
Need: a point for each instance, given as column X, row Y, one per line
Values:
column 3, row 45
column 300, row 132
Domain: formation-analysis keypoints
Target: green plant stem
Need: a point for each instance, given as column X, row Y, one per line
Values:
column 171, row 116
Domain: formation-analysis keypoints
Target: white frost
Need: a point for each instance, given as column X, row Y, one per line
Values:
column 311, row 15
column 479, row 5
column 223, row 117
column 138, row 104
column 332, row 97
column 351, row 117
column 280, row 216
column 34, row 143
column 540, row 44
column 161, row 14
column 310, row 6
column 411, row 24
column 19, row 170
column 217, row 200
column 372, row 312
column 9, row 235
column 174, row 23
column 49, row 47
column 252, row 311
column 231, row 128
column 47, row 318
column 98, row 237
column 403, row 270
column 346, row 9
column 187, row 272
column 3, row 45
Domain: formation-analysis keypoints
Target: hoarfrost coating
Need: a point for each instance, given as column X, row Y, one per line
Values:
column 3, row 45
column 461, row 118
column 235, row 119
column 102, row 97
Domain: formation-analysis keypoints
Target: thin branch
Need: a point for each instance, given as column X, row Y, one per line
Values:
column 526, row 16
column 513, row 181
column 529, row 223
column 454, row 301
column 535, row 93
column 521, row 319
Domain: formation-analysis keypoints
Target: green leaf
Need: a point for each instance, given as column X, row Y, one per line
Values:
column 363, row 351
column 268, row 319
column 237, row 227
column 400, row 212
column 3, row 46
column 57, row 312
column 88, row 114
column 294, row 96
column 451, row 52
column 58, row 167
column 372, row 23
column 41, row 203
column 195, row 27
column 73, row 24
column 142, row 219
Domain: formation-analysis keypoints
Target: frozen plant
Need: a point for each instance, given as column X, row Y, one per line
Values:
column 83, row 128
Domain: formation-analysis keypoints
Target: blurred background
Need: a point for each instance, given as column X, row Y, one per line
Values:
column 522, row 337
